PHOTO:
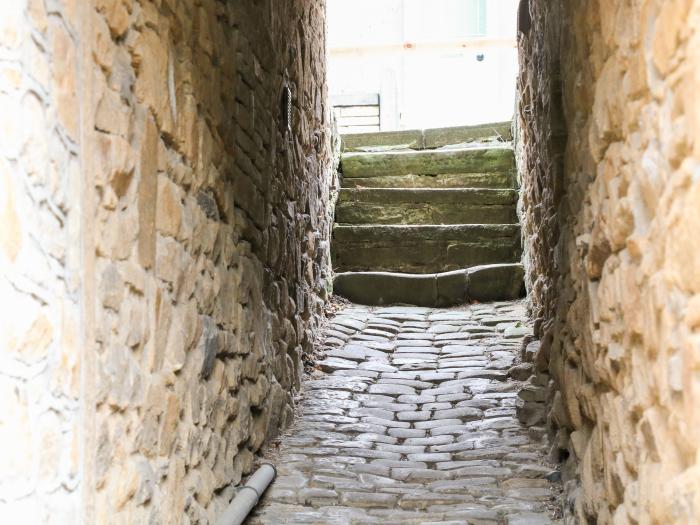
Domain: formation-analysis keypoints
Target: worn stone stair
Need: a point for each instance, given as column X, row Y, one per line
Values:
column 428, row 217
column 426, row 206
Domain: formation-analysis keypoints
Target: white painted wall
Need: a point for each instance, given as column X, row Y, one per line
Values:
column 426, row 85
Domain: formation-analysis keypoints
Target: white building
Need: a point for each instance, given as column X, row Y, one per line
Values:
column 403, row 64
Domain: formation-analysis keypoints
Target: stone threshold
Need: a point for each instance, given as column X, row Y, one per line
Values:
column 492, row 282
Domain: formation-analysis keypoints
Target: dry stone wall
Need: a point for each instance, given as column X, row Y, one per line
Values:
column 610, row 167
column 212, row 242
column 165, row 234
column 40, row 255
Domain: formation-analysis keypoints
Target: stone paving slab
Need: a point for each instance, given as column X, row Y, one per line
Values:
column 429, row 438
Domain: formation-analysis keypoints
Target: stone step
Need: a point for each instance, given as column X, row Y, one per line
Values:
column 423, row 248
column 496, row 282
column 504, row 179
column 477, row 159
column 426, row 206
column 428, row 138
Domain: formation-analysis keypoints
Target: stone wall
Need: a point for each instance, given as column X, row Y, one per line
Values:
column 166, row 241
column 610, row 116
column 40, row 255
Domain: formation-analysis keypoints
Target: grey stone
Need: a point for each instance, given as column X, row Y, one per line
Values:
column 408, row 446
column 391, row 389
column 209, row 345
column 528, row 518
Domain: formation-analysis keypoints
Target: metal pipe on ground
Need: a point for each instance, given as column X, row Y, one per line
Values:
column 248, row 496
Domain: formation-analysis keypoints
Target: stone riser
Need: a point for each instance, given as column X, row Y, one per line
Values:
column 423, row 213
column 423, row 249
column 481, row 283
column 430, row 162
column 446, row 180
column 420, row 256
column 398, row 206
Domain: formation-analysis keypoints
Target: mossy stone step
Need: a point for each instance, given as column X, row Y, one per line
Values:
column 504, row 179
column 426, row 206
column 439, row 137
column 482, row 283
column 423, row 248
column 429, row 162
column 426, row 139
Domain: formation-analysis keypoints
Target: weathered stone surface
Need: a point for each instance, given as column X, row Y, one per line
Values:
column 612, row 248
column 42, row 285
column 428, row 138
column 413, row 459
column 477, row 159
column 504, row 179
column 378, row 288
column 497, row 282
column 165, row 250
column 410, row 138
column 421, row 249
column 425, row 206
column 439, row 137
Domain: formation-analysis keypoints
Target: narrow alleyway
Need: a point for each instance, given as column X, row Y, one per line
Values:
column 413, row 420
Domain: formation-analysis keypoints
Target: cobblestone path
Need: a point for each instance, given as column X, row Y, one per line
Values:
column 413, row 422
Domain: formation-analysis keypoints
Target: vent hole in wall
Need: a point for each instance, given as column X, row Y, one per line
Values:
column 286, row 107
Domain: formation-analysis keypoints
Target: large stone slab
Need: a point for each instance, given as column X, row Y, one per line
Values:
column 412, row 138
column 423, row 249
column 439, row 137
column 496, row 282
column 483, row 283
column 426, row 206
column 476, row 159
column 428, row 138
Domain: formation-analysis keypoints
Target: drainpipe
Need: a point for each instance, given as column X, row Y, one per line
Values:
column 248, row 496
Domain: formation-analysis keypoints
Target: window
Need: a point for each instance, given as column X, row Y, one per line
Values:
column 476, row 18
column 444, row 19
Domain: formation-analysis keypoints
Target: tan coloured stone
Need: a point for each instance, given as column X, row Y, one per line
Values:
column 151, row 58
column 692, row 314
column 103, row 47
column 114, row 161
column 123, row 265
column 10, row 226
column 621, row 319
column 684, row 244
column 119, row 231
column 65, row 77
column 668, row 26
column 39, row 63
column 35, row 143
column 168, row 207
column 113, row 116
column 65, row 378
column 169, row 424
column 147, row 192
column 116, row 14
column 37, row 12
column 34, row 344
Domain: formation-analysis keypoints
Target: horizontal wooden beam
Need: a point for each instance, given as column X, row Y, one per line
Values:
column 427, row 46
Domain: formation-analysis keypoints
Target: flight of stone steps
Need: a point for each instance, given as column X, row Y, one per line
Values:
column 428, row 217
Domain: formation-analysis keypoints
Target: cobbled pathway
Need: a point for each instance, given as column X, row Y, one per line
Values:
column 413, row 422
